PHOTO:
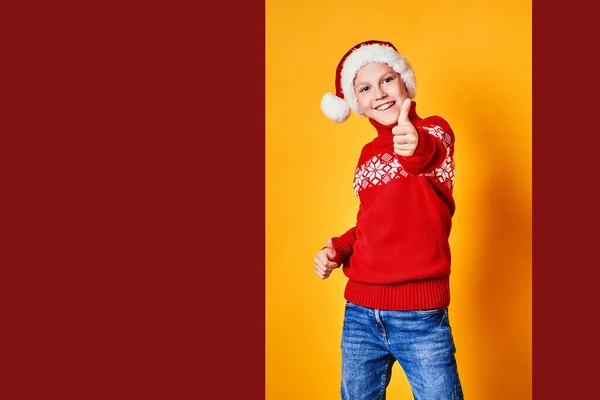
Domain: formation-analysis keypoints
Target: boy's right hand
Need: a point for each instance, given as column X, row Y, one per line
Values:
column 323, row 263
column 406, row 137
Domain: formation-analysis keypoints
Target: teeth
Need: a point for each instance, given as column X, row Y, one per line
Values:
column 385, row 106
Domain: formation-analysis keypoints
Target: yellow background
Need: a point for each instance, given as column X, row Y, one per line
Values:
column 472, row 61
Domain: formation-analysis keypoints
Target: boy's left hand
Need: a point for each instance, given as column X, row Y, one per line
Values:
column 406, row 136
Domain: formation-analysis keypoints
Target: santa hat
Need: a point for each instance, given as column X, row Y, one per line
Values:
column 372, row 51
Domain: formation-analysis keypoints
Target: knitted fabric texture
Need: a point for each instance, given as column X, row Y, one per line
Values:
column 397, row 257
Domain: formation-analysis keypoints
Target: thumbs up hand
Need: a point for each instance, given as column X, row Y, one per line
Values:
column 323, row 261
column 406, row 137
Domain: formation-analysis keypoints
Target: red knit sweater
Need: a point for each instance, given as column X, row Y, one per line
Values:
column 397, row 257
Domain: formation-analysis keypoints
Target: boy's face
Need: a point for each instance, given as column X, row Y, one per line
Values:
column 380, row 92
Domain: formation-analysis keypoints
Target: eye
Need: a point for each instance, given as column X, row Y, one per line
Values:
column 388, row 79
column 363, row 89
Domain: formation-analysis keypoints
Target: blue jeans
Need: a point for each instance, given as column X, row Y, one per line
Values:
column 421, row 342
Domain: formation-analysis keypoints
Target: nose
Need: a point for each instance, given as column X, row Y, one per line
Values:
column 380, row 93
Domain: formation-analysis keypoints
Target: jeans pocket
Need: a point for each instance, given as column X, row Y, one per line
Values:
column 437, row 316
column 431, row 312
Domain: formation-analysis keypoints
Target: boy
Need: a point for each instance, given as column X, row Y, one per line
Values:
column 397, row 257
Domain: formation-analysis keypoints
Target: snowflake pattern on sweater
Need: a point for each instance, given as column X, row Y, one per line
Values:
column 384, row 167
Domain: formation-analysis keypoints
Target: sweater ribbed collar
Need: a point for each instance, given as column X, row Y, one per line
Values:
column 385, row 137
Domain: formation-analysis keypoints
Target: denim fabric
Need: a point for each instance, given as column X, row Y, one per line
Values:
column 421, row 342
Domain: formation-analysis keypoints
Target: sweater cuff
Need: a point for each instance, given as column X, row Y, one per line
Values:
column 343, row 250
column 414, row 164
column 424, row 145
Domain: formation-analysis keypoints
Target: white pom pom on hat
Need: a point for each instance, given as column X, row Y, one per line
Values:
column 337, row 106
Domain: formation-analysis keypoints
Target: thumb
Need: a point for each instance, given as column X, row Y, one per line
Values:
column 403, row 118
column 330, row 249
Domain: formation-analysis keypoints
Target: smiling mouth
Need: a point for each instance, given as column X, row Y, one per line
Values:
column 385, row 106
